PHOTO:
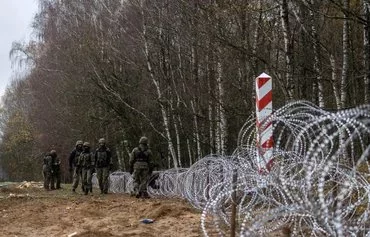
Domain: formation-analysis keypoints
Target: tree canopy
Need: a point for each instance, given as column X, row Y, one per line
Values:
column 179, row 72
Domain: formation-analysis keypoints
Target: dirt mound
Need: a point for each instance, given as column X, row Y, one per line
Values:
column 159, row 210
column 24, row 187
column 63, row 213
column 31, row 184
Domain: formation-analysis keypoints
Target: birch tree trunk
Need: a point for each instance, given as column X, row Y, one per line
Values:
column 334, row 77
column 345, row 47
column 181, row 73
column 221, row 128
column 177, row 134
column 156, row 83
column 221, row 116
column 211, row 123
column 366, row 9
column 284, row 14
column 211, row 112
column 196, row 130
column 312, row 4
column 256, row 37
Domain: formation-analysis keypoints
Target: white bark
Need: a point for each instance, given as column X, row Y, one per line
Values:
column 366, row 9
column 334, row 77
column 317, row 68
column 190, row 152
column 180, row 71
column 196, row 130
column 256, row 36
column 177, row 133
column 211, row 127
column 317, row 63
column 317, row 87
column 221, row 115
column 344, row 79
column 156, row 84
column 221, row 129
column 210, row 112
column 284, row 14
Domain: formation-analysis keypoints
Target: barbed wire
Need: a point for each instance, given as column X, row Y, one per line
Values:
column 318, row 186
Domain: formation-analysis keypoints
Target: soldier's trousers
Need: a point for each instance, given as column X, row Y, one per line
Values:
column 86, row 178
column 140, row 177
column 76, row 177
column 57, row 177
column 103, row 178
column 47, row 179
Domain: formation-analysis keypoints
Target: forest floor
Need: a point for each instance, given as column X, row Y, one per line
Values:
column 28, row 210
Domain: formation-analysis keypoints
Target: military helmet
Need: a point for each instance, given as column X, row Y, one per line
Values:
column 53, row 152
column 101, row 141
column 87, row 144
column 143, row 140
column 79, row 142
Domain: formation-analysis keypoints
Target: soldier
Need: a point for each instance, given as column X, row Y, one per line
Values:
column 141, row 166
column 104, row 164
column 56, row 177
column 73, row 167
column 47, row 171
column 86, row 162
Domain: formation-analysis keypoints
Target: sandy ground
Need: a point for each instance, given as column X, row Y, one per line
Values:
column 31, row 211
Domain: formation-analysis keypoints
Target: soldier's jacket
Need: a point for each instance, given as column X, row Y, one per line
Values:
column 86, row 160
column 48, row 163
column 103, row 157
column 56, row 164
column 141, row 157
column 73, row 157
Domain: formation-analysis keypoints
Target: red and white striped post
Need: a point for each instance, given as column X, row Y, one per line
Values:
column 265, row 141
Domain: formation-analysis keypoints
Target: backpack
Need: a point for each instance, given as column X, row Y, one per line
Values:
column 101, row 158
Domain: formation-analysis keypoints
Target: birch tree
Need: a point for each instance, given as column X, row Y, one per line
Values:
column 366, row 63
column 345, row 63
column 284, row 12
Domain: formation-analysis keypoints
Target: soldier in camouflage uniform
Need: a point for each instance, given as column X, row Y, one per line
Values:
column 47, row 170
column 141, row 166
column 104, row 164
column 73, row 167
column 86, row 162
column 56, row 177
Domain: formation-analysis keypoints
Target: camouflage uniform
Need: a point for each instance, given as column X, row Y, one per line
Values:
column 56, row 177
column 73, row 159
column 141, row 166
column 104, row 164
column 86, row 162
column 47, row 171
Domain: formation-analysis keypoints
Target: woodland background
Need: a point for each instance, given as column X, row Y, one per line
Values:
column 180, row 72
